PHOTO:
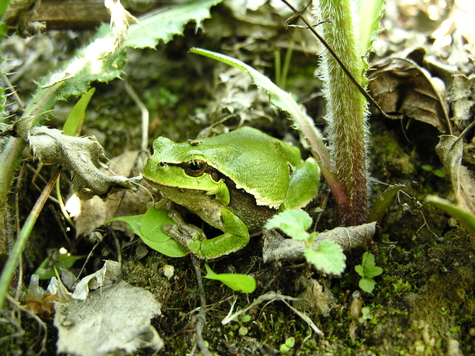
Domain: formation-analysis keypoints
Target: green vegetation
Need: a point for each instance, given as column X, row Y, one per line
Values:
column 328, row 257
column 368, row 270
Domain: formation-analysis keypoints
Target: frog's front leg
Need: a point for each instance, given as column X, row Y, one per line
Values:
column 303, row 186
column 234, row 239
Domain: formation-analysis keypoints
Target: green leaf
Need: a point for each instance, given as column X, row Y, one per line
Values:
column 382, row 202
column 368, row 260
column 367, row 284
column 372, row 272
column 328, row 257
column 92, row 64
column 466, row 218
column 237, row 282
column 369, row 13
column 368, row 266
column 63, row 261
column 360, row 270
column 152, row 223
column 164, row 25
column 439, row 173
column 133, row 222
column 149, row 228
column 154, row 237
column 293, row 223
column 76, row 116
column 290, row 342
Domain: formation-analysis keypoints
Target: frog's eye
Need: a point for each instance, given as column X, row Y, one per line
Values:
column 162, row 164
column 195, row 168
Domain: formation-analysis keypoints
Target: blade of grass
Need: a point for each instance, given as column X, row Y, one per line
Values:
column 19, row 246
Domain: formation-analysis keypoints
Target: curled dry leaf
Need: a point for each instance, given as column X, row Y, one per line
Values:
column 462, row 99
column 277, row 248
column 400, row 86
column 450, row 151
column 94, row 212
column 82, row 155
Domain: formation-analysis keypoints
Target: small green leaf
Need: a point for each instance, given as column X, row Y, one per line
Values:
column 438, row 173
column 360, row 270
column 63, row 260
column 243, row 330
column 284, row 348
column 246, row 318
column 329, row 257
column 465, row 217
column 152, row 235
column 427, row 168
column 368, row 260
column 293, row 223
column 367, row 284
column 382, row 202
column 152, row 223
column 290, row 342
column 237, row 282
column 75, row 119
column 372, row 272
column 133, row 222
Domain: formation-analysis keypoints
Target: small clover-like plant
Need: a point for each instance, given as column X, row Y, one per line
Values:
column 327, row 257
column 288, row 345
column 368, row 270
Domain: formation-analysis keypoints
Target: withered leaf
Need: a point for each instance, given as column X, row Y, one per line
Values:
column 83, row 156
column 399, row 85
column 462, row 99
column 450, row 151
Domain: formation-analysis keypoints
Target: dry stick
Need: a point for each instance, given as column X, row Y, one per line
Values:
column 201, row 317
column 343, row 66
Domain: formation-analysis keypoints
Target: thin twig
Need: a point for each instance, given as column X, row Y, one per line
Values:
column 201, row 317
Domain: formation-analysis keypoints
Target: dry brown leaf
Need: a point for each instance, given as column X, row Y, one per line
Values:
column 400, row 86
column 462, row 99
column 450, row 151
column 83, row 156
column 94, row 212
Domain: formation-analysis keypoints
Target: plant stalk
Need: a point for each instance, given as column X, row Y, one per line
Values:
column 346, row 107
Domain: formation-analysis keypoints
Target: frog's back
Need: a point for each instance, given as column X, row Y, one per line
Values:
column 257, row 162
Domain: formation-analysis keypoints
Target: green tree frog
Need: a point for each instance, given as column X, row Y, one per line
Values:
column 234, row 182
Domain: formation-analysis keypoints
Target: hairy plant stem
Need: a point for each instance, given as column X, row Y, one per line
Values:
column 346, row 107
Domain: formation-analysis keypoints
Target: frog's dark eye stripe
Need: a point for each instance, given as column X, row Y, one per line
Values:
column 195, row 168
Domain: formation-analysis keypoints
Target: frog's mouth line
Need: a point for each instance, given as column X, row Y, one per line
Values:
column 159, row 185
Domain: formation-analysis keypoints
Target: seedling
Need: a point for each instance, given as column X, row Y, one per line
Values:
column 287, row 346
column 328, row 257
column 368, row 270
column 436, row 172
